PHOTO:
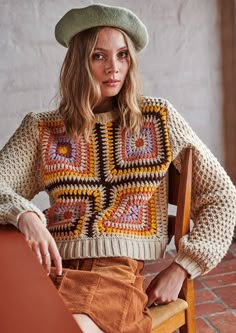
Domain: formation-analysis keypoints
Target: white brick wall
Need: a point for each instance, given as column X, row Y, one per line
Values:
column 182, row 62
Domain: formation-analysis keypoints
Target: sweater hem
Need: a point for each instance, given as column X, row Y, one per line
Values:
column 112, row 247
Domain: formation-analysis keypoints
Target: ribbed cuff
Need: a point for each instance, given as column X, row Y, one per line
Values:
column 188, row 264
column 13, row 215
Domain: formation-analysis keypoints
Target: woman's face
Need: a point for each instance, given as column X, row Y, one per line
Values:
column 110, row 62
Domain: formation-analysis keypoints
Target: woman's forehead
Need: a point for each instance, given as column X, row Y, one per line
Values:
column 109, row 37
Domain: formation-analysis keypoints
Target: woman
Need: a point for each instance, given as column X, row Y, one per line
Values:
column 102, row 157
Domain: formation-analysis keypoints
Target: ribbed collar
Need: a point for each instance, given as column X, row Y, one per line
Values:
column 106, row 117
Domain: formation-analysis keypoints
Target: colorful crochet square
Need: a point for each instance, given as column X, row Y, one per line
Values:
column 64, row 150
column 145, row 154
column 68, row 215
column 65, row 215
column 133, row 212
column 64, row 156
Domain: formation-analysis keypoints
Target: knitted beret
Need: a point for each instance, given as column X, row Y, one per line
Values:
column 97, row 15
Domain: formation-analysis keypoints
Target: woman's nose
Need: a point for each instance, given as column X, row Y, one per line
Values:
column 111, row 66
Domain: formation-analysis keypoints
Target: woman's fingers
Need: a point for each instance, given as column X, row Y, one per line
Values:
column 46, row 252
column 40, row 241
column 49, row 252
column 165, row 287
column 42, row 253
column 46, row 255
column 35, row 248
column 47, row 262
column 56, row 257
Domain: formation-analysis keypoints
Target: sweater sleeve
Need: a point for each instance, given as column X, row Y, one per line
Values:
column 213, row 208
column 20, row 178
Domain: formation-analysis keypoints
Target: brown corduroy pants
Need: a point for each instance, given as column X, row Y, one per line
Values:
column 108, row 290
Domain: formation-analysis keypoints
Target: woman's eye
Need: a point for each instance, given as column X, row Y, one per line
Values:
column 123, row 54
column 98, row 56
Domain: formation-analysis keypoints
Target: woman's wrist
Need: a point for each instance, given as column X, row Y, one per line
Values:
column 27, row 216
column 179, row 270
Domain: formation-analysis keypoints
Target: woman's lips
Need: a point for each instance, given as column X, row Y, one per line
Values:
column 111, row 83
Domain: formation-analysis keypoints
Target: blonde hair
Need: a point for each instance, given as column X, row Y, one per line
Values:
column 80, row 93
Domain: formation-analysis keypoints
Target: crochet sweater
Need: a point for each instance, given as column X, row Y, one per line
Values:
column 108, row 197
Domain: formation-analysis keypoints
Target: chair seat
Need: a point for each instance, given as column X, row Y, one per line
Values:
column 164, row 312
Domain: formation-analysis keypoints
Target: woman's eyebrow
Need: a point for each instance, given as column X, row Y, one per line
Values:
column 105, row 50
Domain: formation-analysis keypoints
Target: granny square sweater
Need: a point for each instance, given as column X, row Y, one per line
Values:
column 108, row 197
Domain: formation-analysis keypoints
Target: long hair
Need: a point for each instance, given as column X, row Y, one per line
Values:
column 80, row 93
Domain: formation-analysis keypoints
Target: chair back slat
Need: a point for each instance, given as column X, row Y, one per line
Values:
column 173, row 179
column 180, row 195
column 182, row 224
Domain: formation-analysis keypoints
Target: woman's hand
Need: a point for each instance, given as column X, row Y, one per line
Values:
column 40, row 241
column 165, row 287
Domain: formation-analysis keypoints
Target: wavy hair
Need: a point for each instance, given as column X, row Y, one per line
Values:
column 80, row 93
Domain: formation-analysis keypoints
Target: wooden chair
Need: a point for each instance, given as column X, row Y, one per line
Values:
column 181, row 313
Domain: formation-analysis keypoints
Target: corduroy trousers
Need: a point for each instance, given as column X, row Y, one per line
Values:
column 109, row 290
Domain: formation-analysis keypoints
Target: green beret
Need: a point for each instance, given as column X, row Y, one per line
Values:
column 97, row 15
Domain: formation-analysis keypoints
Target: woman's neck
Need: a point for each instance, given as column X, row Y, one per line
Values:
column 105, row 106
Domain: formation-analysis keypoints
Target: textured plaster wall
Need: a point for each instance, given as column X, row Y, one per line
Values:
column 182, row 62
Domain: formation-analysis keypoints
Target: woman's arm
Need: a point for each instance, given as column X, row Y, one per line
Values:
column 213, row 208
column 213, row 213
column 20, row 176
column 20, row 181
